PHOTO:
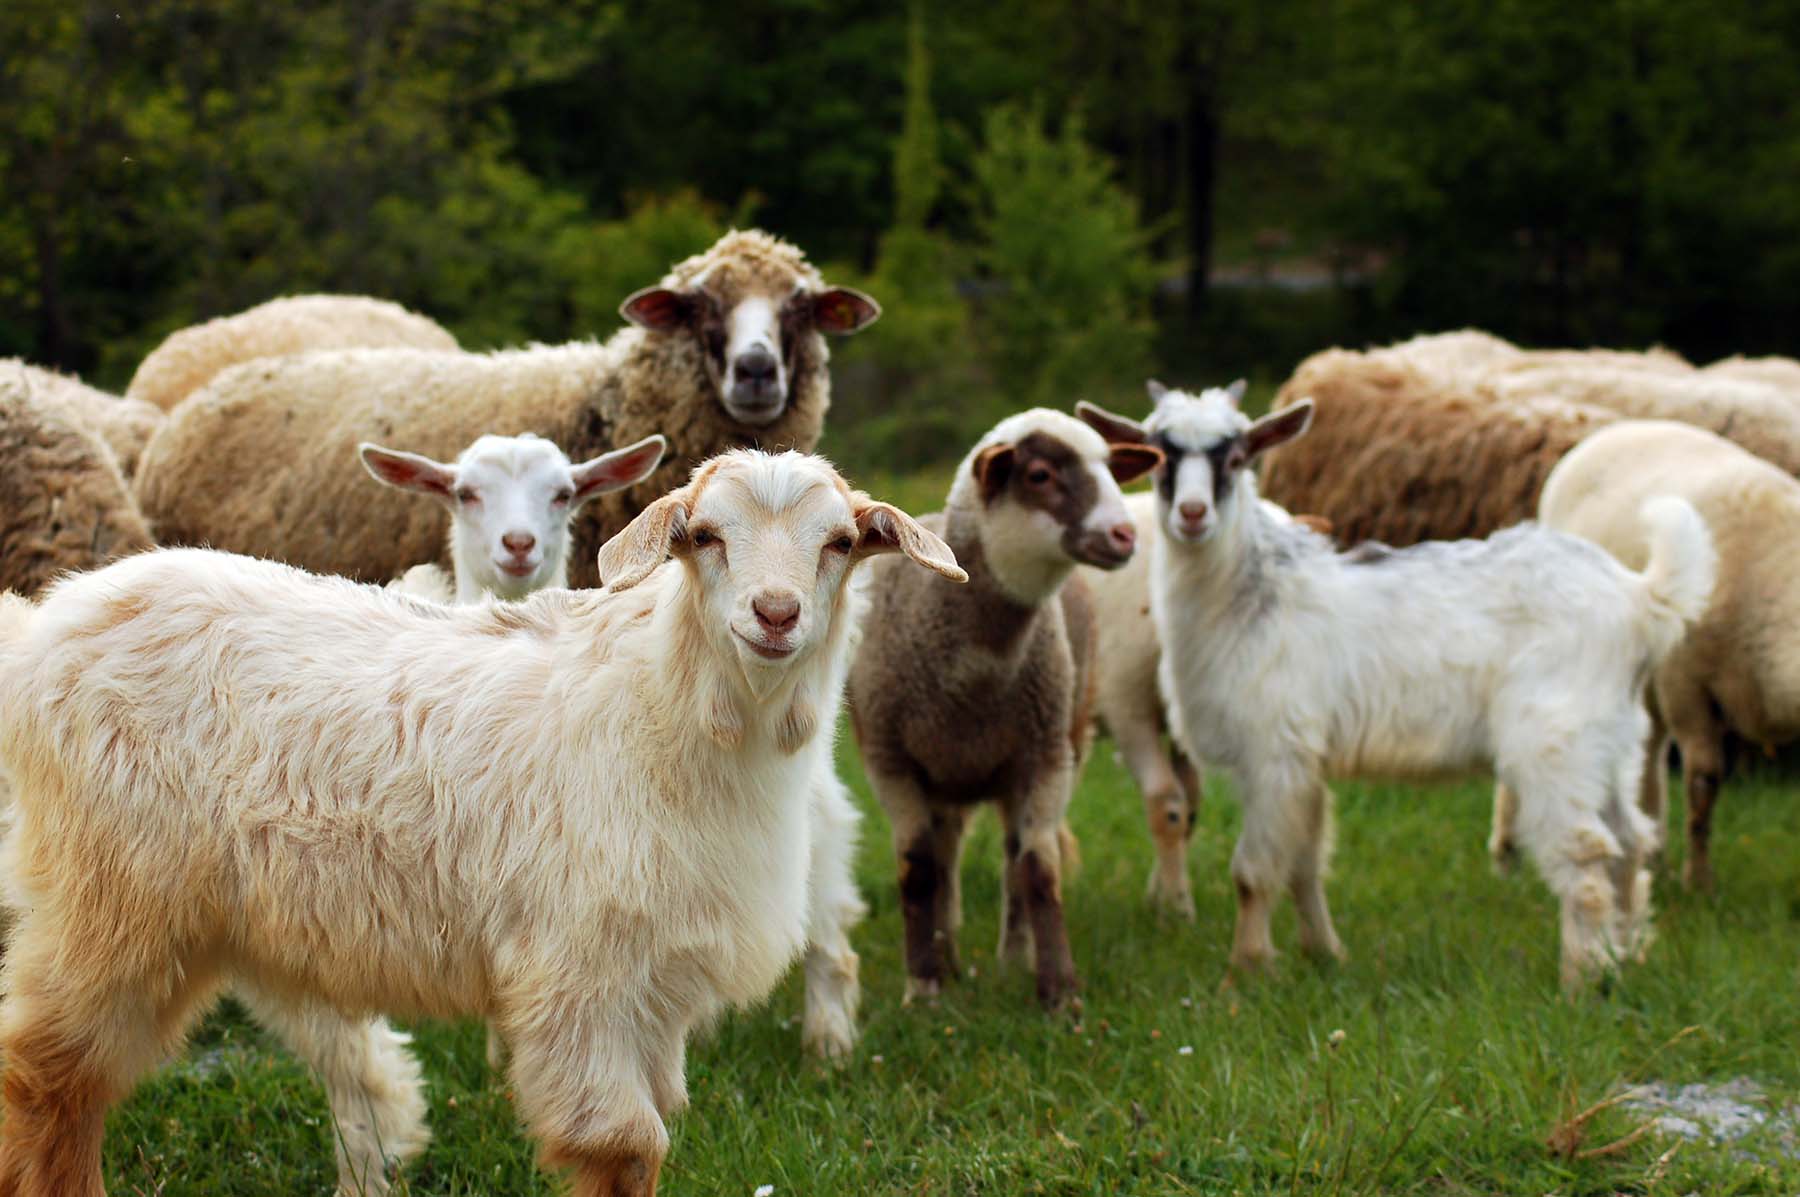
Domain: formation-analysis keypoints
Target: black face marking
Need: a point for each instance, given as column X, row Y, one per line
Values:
column 1225, row 458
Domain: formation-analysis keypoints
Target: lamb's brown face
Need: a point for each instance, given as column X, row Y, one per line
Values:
column 1058, row 491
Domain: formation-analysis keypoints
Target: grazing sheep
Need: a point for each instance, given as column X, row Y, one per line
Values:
column 1782, row 373
column 1738, row 669
column 124, row 424
column 577, row 816
column 1289, row 663
column 727, row 351
column 63, row 504
column 1400, row 454
column 982, row 693
column 190, row 357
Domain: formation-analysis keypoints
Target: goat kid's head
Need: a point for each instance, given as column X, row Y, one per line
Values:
column 770, row 540
column 1050, row 488
column 749, row 304
column 510, row 499
column 1206, row 444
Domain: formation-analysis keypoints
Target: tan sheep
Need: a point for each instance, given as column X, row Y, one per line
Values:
column 726, row 352
column 64, row 505
column 1782, row 373
column 1468, row 351
column 190, row 357
column 1400, row 454
column 125, row 424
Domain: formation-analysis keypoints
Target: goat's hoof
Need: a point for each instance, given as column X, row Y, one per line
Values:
column 1504, row 856
column 1059, row 995
column 1172, row 902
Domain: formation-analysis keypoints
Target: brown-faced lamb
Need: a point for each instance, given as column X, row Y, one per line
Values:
column 728, row 350
column 983, row 692
column 582, row 817
column 1738, row 669
column 190, row 357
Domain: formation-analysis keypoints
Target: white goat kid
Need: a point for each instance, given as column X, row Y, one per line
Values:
column 1288, row 662
column 584, row 817
column 510, row 500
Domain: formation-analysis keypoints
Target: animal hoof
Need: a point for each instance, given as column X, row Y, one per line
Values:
column 922, row 989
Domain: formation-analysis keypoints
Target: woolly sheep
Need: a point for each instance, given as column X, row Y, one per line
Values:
column 495, row 810
column 1287, row 663
column 63, row 504
column 726, row 351
column 1782, row 373
column 1399, row 454
column 190, row 357
column 1470, row 351
column 1738, row 669
column 124, row 424
column 982, row 692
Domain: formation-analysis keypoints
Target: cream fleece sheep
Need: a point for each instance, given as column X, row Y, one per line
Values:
column 1782, row 373
column 190, row 357
column 125, row 425
column 261, row 461
column 581, row 816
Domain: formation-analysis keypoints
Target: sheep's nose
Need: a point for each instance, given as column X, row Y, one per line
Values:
column 756, row 364
column 1192, row 511
column 1122, row 537
column 518, row 543
column 777, row 613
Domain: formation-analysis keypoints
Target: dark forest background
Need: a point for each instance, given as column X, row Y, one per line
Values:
column 1051, row 198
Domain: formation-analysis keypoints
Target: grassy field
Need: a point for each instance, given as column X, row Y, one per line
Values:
column 1457, row 1056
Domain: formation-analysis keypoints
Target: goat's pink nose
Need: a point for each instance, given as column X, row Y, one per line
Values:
column 518, row 542
column 1192, row 511
column 776, row 612
column 1122, row 536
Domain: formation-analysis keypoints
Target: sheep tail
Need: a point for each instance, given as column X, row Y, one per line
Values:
column 1678, row 580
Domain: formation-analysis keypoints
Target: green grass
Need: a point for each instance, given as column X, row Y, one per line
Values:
column 1458, row 1055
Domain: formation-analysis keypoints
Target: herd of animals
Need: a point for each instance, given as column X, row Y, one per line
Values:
column 569, row 768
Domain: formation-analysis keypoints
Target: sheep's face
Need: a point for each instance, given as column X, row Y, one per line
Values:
column 751, row 326
column 769, row 539
column 510, row 499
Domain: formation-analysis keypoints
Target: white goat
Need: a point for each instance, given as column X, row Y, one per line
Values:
column 580, row 816
column 1288, row 662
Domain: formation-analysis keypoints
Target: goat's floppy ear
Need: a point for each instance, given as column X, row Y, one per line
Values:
column 408, row 471
column 643, row 544
column 1128, row 463
column 843, row 310
column 658, row 309
column 1117, row 429
column 617, row 470
column 884, row 528
column 1278, row 427
column 993, row 466
column 1235, row 392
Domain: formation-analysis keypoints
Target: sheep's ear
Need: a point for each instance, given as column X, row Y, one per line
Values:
column 884, row 528
column 842, row 311
column 1117, row 429
column 1128, row 463
column 993, row 466
column 1236, row 391
column 1316, row 523
column 1155, row 390
column 408, row 471
column 617, row 470
column 1278, row 427
column 658, row 309
column 643, row 544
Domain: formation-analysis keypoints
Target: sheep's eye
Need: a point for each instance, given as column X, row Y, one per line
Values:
column 702, row 537
column 564, row 495
column 1038, row 475
column 466, row 494
column 842, row 544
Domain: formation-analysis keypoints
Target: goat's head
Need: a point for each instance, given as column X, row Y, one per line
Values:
column 510, row 499
column 1206, row 443
column 751, row 303
column 769, row 541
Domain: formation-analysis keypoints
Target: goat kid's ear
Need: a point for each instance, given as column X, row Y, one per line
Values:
column 1278, row 427
column 1117, row 429
column 1236, row 391
column 643, row 544
column 658, row 309
column 1128, row 463
column 617, row 470
column 993, row 466
column 408, row 471
column 843, row 310
column 884, row 528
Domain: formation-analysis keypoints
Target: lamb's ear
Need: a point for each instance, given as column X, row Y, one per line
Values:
column 1117, row 429
column 643, row 544
column 842, row 311
column 408, row 471
column 993, row 466
column 1128, row 463
column 1278, row 427
column 658, row 309
column 1155, row 390
column 1236, row 391
column 617, row 470
column 884, row 528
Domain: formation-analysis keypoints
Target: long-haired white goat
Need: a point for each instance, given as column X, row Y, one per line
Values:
column 1288, row 663
column 582, row 817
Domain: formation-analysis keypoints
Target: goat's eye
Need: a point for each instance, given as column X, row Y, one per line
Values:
column 563, row 496
column 702, row 537
column 842, row 544
column 466, row 494
column 1038, row 475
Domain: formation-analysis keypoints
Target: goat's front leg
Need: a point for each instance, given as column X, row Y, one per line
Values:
column 1034, row 870
column 1277, row 831
column 832, row 986
column 927, row 844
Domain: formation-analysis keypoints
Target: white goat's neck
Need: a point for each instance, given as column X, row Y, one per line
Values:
column 1235, row 560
